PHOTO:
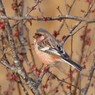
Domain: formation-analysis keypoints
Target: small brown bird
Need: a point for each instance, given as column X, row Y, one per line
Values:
column 49, row 50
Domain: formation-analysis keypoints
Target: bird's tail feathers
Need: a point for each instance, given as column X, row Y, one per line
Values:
column 72, row 63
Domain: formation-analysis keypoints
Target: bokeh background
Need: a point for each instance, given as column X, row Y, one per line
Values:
column 49, row 8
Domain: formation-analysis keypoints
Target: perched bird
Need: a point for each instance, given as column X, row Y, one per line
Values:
column 49, row 50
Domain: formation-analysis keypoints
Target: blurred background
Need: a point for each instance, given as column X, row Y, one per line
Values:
column 75, row 44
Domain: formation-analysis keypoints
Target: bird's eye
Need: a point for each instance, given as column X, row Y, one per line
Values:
column 39, row 34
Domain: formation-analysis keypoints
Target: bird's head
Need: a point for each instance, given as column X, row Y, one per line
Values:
column 41, row 34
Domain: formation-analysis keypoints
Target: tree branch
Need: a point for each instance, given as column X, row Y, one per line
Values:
column 59, row 17
column 90, row 75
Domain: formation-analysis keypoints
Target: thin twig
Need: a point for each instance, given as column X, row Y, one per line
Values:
column 90, row 75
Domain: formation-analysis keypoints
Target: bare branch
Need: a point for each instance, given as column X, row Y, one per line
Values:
column 90, row 75
column 59, row 17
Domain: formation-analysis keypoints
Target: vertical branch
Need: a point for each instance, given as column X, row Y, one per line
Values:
column 77, row 24
column 10, row 37
column 83, row 45
column 70, row 66
column 90, row 75
column 29, row 81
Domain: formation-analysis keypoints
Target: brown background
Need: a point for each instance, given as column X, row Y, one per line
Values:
column 49, row 9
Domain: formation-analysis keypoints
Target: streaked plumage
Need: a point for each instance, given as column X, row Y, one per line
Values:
column 49, row 50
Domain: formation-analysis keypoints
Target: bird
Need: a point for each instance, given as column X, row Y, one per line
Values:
column 49, row 50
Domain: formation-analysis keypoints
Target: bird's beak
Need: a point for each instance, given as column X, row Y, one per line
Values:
column 35, row 36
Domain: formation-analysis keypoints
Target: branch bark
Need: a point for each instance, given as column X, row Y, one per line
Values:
column 59, row 17
column 90, row 75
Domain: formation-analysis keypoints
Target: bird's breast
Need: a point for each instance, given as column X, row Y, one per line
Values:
column 44, row 57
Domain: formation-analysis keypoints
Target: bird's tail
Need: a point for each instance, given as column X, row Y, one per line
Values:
column 72, row 63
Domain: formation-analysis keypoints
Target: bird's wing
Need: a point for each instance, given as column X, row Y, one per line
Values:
column 51, row 51
column 57, row 50
column 52, row 47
